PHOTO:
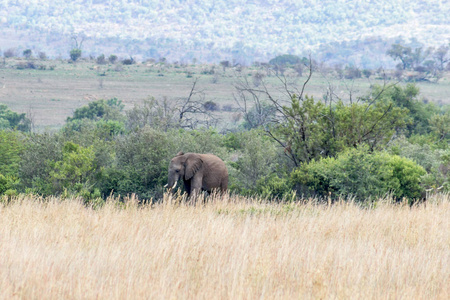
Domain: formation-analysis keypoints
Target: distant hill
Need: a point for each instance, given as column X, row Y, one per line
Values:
column 342, row 31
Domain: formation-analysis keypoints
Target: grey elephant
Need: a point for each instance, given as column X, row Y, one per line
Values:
column 199, row 172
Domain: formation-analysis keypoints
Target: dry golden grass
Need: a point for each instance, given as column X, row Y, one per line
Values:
column 232, row 248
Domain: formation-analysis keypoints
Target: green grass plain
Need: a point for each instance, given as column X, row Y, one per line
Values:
column 49, row 96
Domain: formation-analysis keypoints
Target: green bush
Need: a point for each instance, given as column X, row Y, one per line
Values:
column 11, row 148
column 288, row 59
column 275, row 187
column 420, row 112
column 255, row 164
column 140, row 167
column 8, row 184
column 431, row 159
column 75, row 172
column 39, row 154
column 13, row 120
column 101, row 109
column 360, row 174
column 75, row 54
column 310, row 129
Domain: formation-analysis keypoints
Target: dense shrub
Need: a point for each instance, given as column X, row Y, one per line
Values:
column 39, row 154
column 13, row 120
column 112, row 58
column 27, row 53
column 101, row 109
column 434, row 161
column 420, row 112
column 75, row 54
column 75, row 171
column 259, row 115
column 287, row 59
column 310, row 129
column 255, row 165
column 142, row 158
column 11, row 147
column 101, row 60
column 128, row 61
column 211, row 106
column 360, row 174
column 11, row 52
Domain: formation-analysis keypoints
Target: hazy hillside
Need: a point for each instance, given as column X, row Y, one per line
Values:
column 211, row 30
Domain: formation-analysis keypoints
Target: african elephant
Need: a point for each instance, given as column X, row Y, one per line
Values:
column 199, row 172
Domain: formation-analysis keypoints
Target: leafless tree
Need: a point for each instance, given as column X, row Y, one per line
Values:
column 192, row 112
column 78, row 39
column 188, row 113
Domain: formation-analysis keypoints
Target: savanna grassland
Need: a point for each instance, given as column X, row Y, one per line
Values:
column 228, row 248
column 52, row 94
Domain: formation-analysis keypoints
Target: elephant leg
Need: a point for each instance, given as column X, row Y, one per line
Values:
column 224, row 186
column 196, row 186
column 187, row 187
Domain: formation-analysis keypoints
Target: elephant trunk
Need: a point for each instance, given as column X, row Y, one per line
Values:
column 172, row 183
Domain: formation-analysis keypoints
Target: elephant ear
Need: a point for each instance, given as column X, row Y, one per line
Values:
column 192, row 165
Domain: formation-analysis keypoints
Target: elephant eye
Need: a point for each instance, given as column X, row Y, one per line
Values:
column 178, row 171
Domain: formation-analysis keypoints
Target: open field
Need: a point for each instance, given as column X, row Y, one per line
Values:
column 231, row 248
column 50, row 96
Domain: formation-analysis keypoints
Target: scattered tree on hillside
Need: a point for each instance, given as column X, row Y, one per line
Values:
column 430, row 62
column 27, row 53
column 402, row 53
column 112, row 58
column 11, row 52
column 75, row 53
column 440, row 56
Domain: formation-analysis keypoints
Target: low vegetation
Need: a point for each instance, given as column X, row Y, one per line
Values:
column 285, row 144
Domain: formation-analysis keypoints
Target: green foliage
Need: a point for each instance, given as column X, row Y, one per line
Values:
column 13, row 120
column 211, row 106
column 100, row 109
column 105, row 129
column 434, row 161
column 142, row 159
column 101, row 59
column 275, row 187
column 75, row 54
column 287, row 59
column 260, row 115
column 310, row 129
column 8, row 184
column 75, row 171
column 361, row 174
column 440, row 126
column 40, row 153
column 420, row 112
column 255, row 165
column 112, row 58
column 27, row 53
column 10, row 150
column 200, row 141
column 402, row 53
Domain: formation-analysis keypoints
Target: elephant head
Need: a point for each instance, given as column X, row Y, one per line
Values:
column 183, row 166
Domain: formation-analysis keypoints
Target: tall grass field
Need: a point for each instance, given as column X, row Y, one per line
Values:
column 226, row 248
